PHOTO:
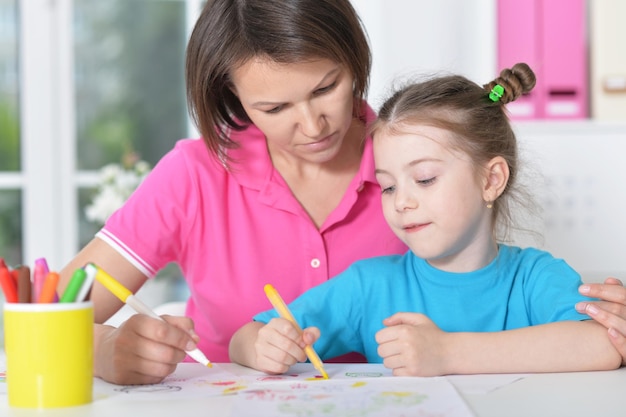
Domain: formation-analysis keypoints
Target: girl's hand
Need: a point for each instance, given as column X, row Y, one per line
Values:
column 279, row 345
column 142, row 350
column 412, row 345
column 610, row 312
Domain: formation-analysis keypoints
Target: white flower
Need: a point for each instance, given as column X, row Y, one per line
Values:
column 109, row 172
column 116, row 184
column 142, row 168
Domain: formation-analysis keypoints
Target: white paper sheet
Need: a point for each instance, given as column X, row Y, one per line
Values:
column 358, row 396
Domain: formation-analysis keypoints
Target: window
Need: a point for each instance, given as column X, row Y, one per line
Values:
column 10, row 152
column 94, row 82
column 129, row 84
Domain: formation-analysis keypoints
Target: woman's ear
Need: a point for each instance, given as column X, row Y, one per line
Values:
column 232, row 89
column 496, row 178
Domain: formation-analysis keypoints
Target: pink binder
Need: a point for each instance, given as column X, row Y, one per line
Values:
column 550, row 36
column 564, row 59
column 518, row 42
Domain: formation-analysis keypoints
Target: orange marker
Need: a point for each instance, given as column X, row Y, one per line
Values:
column 8, row 286
column 15, row 273
column 49, row 289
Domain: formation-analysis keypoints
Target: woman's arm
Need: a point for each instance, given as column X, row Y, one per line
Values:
column 610, row 312
column 142, row 350
column 103, row 255
column 412, row 344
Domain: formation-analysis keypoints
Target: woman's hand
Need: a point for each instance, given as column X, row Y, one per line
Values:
column 142, row 350
column 610, row 312
column 412, row 345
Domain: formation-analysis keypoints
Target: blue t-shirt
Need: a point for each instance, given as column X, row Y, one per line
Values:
column 519, row 288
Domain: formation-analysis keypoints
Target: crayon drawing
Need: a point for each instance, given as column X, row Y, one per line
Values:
column 191, row 381
column 371, row 397
column 130, row 389
column 363, row 389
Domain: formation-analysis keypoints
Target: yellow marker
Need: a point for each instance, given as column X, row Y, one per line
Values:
column 127, row 297
column 284, row 312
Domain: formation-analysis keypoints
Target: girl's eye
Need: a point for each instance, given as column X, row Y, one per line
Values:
column 426, row 181
column 387, row 190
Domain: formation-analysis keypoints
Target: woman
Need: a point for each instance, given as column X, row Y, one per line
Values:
column 281, row 189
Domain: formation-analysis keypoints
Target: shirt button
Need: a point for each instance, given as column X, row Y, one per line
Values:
column 315, row 263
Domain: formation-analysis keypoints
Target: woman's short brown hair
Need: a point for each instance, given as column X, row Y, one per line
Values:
column 230, row 32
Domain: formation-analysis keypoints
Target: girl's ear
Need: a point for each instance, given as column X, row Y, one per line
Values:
column 496, row 178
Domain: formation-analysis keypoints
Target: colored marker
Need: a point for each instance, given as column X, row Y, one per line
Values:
column 8, row 286
column 15, row 273
column 85, row 289
column 24, row 286
column 284, row 312
column 46, row 270
column 39, row 276
column 44, row 265
column 49, row 289
column 74, row 286
column 127, row 297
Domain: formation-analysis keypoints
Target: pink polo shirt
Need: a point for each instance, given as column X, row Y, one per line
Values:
column 232, row 232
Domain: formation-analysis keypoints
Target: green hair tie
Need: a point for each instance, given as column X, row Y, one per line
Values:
column 496, row 93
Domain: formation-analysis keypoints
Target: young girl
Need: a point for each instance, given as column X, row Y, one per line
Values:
column 458, row 302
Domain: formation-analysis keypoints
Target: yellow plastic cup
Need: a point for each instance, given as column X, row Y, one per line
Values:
column 49, row 354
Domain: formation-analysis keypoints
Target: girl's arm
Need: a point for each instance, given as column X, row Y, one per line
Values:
column 413, row 345
column 554, row 347
column 271, row 347
column 241, row 348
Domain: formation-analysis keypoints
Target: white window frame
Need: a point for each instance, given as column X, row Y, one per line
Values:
column 49, row 179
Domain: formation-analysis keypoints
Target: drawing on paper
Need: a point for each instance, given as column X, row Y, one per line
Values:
column 352, row 391
column 364, row 374
column 131, row 389
column 349, row 398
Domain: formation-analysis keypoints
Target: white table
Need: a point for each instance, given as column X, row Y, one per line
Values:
column 576, row 394
column 584, row 394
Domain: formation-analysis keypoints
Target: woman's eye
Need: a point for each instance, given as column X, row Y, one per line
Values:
column 274, row 110
column 325, row 89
